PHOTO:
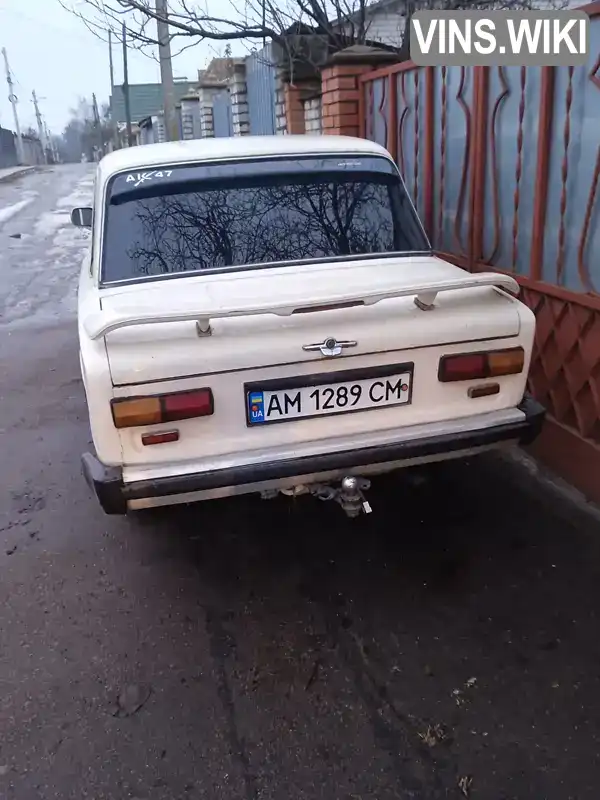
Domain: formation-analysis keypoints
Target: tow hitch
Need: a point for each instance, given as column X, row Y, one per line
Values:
column 349, row 494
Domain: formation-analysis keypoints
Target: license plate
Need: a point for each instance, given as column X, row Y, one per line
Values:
column 320, row 396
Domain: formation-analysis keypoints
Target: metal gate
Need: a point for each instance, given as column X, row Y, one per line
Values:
column 222, row 122
column 261, row 86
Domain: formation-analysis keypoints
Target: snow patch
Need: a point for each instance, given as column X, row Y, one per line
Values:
column 68, row 239
column 10, row 211
column 57, row 223
column 81, row 196
column 51, row 221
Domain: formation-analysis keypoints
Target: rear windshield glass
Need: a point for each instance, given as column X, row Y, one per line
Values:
column 186, row 219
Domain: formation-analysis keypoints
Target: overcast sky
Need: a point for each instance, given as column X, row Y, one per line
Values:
column 51, row 51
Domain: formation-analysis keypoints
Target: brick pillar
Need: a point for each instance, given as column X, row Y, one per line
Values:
column 238, row 91
column 160, row 134
column 190, row 118
column 207, row 127
column 294, row 109
column 340, row 98
column 280, row 117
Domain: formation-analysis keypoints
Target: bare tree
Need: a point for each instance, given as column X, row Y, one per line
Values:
column 82, row 133
column 306, row 30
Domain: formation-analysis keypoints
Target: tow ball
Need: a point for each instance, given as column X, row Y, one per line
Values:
column 350, row 495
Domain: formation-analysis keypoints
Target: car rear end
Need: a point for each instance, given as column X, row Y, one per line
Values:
column 258, row 331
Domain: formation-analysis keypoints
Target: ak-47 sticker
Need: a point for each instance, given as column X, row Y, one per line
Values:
column 138, row 178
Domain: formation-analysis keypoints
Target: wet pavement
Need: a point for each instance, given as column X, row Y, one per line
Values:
column 444, row 646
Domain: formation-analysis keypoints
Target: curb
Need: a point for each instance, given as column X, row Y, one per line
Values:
column 19, row 173
column 554, row 486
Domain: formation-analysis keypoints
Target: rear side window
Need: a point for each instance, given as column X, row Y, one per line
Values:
column 231, row 216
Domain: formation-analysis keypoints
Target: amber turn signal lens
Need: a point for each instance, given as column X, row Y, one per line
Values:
column 131, row 412
column 506, row 362
column 137, row 411
column 475, row 366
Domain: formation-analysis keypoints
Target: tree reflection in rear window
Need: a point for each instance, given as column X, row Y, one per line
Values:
column 196, row 218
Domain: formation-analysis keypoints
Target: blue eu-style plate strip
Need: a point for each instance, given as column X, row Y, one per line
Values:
column 256, row 408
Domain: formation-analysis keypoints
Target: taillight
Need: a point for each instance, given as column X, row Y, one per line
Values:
column 475, row 366
column 131, row 412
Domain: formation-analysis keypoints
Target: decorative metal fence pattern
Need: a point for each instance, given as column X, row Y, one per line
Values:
column 503, row 165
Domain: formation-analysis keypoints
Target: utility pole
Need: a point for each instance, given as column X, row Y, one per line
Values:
column 98, row 127
column 115, row 132
column 13, row 101
column 126, row 89
column 41, row 134
column 166, row 71
column 110, row 61
column 51, row 144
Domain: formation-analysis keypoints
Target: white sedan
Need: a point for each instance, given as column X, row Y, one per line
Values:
column 265, row 314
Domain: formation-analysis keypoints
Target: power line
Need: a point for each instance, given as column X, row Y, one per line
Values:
column 48, row 25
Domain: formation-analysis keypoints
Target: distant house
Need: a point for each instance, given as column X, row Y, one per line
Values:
column 145, row 100
column 385, row 22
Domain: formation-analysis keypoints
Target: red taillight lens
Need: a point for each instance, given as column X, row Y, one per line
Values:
column 187, row 405
column 462, row 368
column 130, row 412
column 475, row 366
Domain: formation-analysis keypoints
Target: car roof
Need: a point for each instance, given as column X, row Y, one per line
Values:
column 238, row 147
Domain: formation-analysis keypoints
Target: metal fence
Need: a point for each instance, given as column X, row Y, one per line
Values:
column 261, row 75
column 8, row 149
column 503, row 165
column 32, row 150
column 222, row 121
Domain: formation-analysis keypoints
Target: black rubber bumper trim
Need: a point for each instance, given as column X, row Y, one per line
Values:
column 113, row 494
column 106, row 483
column 535, row 414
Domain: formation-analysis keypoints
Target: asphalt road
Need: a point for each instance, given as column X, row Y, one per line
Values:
column 446, row 645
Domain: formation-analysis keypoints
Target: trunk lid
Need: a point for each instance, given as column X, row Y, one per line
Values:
column 156, row 352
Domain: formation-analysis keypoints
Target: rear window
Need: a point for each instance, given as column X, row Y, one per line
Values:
column 186, row 219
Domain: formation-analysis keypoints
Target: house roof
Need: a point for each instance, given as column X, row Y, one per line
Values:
column 217, row 72
column 197, row 150
column 145, row 99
